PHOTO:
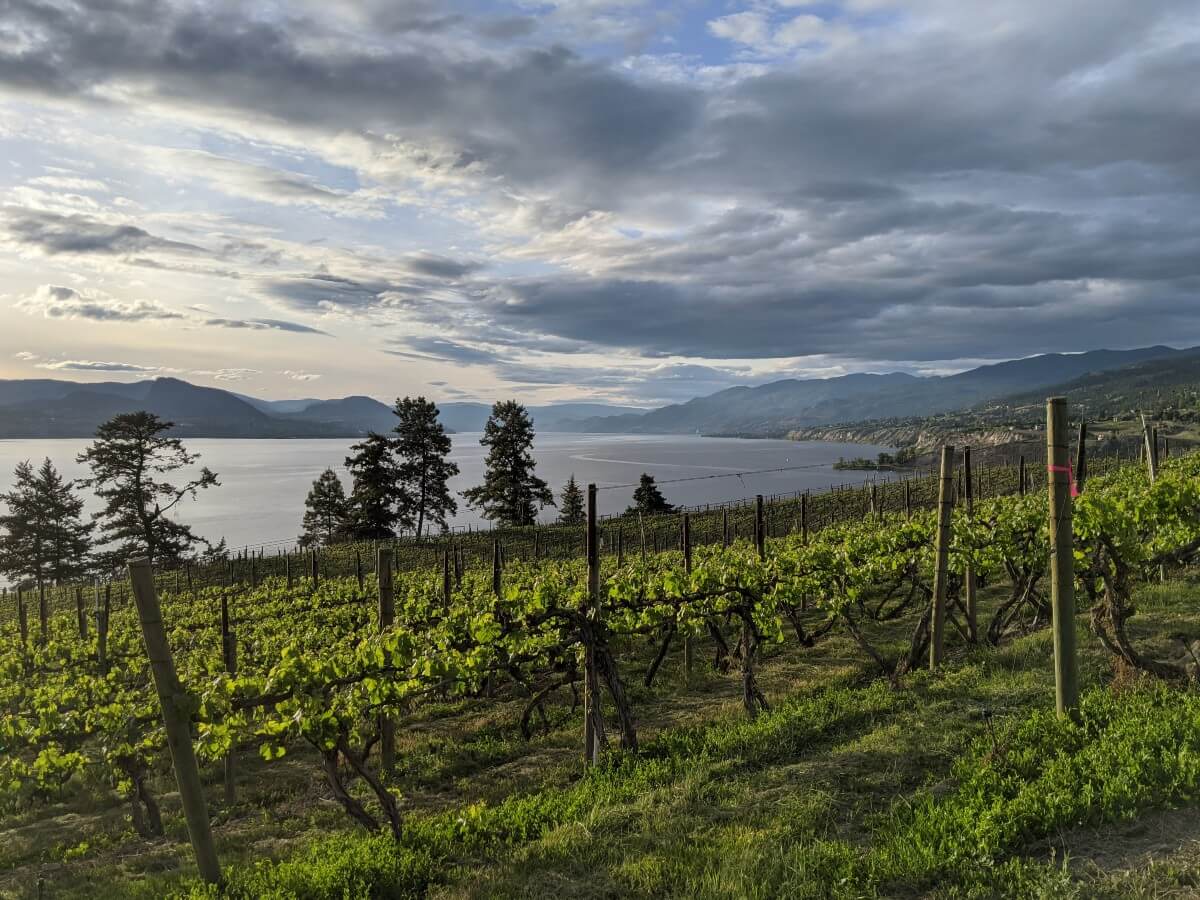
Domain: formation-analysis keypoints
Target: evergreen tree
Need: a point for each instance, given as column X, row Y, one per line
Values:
column 648, row 499
column 130, row 460
column 422, row 446
column 325, row 511
column 571, row 511
column 511, row 493
column 376, row 498
column 45, row 538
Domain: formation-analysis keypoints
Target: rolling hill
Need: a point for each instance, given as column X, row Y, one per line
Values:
column 53, row 408
column 783, row 406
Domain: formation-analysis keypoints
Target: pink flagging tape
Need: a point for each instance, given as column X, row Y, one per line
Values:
column 1070, row 472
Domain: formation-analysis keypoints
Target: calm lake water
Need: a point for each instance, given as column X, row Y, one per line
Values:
column 264, row 482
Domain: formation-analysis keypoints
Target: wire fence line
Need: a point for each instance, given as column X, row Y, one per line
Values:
column 891, row 491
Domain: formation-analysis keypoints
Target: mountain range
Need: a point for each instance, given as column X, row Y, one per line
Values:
column 55, row 408
column 782, row 406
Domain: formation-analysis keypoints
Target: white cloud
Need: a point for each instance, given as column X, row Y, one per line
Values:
column 59, row 302
column 300, row 376
column 91, row 365
column 227, row 374
column 70, row 183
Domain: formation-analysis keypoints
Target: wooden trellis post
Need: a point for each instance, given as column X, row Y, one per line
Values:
column 43, row 614
column 593, row 725
column 229, row 657
column 22, row 619
column 1151, row 452
column 969, row 575
column 176, row 718
column 937, row 621
column 387, row 617
column 81, row 614
column 1062, row 558
column 685, row 538
column 760, row 537
column 1081, row 457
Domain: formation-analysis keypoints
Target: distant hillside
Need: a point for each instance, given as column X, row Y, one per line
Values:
column 1162, row 388
column 792, row 404
column 67, row 409
column 1166, row 390
column 52, row 408
column 350, row 415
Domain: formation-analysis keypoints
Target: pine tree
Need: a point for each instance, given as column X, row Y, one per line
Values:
column 374, row 509
column 129, row 459
column 45, row 538
column 648, row 499
column 571, row 511
column 422, row 446
column 325, row 511
column 511, row 493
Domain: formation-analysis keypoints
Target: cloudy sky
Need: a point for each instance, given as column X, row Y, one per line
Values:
column 606, row 199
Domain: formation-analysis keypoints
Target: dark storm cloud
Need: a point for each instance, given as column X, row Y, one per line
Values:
column 321, row 291
column 53, row 233
column 509, row 28
column 441, row 266
column 1026, row 183
column 444, row 351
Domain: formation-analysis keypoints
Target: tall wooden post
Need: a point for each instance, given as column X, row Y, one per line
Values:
column 102, row 610
column 685, row 538
column 1021, row 479
column 972, row 602
column 592, row 722
column 1062, row 558
column 937, row 622
column 358, row 569
column 907, row 498
column 287, row 569
column 229, row 656
column 497, row 568
column 725, row 526
column 172, row 699
column 1150, row 451
column 387, row 617
column 81, row 614
column 316, row 574
column 43, row 614
column 804, row 517
column 1081, row 457
column 620, row 547
column 760, row 538
column 22, row 618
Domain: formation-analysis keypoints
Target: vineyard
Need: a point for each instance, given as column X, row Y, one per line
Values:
column 847, row 694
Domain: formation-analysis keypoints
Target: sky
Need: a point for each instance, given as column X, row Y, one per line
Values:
column 616, row 200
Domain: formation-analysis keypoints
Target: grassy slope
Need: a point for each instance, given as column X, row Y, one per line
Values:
column 828, row 795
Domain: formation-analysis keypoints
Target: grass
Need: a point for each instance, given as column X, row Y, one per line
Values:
column 847, row 788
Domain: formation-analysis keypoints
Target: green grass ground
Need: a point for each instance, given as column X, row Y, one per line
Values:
column 847, row 788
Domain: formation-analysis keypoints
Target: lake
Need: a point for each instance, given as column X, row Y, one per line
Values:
column 264, row 482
